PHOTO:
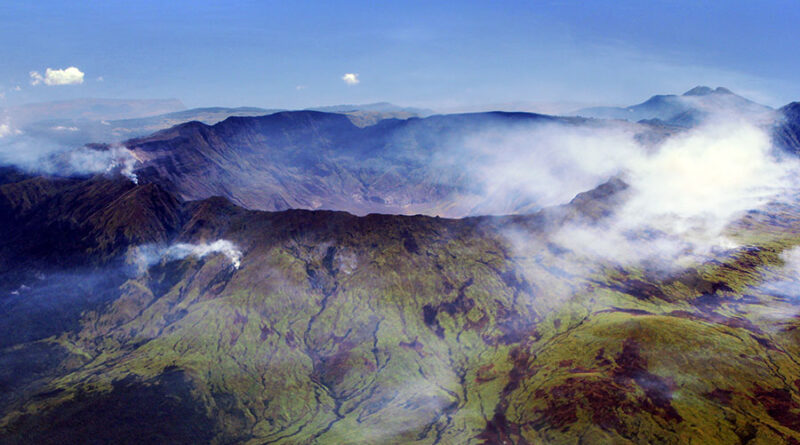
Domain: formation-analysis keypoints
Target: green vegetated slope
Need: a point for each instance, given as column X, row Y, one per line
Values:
column 394, row 329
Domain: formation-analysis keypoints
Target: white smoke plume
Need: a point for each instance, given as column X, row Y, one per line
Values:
column 781, row 287
column 37, row 155
column 84, row 160
column 147, row 255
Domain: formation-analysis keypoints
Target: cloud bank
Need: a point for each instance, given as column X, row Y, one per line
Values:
column 685, row 194
column 684, row 191
column 66, row 76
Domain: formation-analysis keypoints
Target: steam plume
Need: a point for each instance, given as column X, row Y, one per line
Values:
column 40, row 156
column 148, row 255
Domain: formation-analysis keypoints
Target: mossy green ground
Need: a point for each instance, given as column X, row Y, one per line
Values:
column 337, row 329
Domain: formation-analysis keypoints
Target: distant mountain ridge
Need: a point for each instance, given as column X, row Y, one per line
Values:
column 81, row 131
column 316, row 160
column 384, row 107
column 685, row 110
column 370, row 114
column 97, row 120
column 91, row 109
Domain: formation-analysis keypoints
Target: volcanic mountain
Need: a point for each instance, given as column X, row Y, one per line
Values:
column 192, row 307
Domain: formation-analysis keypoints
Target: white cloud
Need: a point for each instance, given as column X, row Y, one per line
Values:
column 17, row 88
column 66, row 76
column 351, row 79
column 300, row 87
column 5, row 130
column 100, row 79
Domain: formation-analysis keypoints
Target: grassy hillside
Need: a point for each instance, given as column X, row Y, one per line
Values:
column 385, row 329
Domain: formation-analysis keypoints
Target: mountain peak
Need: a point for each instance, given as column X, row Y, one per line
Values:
column 705, row 91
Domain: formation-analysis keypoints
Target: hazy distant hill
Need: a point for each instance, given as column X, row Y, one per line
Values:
column 74, row 132
column 685, row 110
column 91, row 109
column 381, row 107
column 370, row 114
column 80, row 122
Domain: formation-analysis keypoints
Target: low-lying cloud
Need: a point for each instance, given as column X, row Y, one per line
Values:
column 684, row 190
column 54, row 77
column 692, row 187
column 546, row 163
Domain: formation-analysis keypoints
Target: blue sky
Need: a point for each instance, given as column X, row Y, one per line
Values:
column 444, row 55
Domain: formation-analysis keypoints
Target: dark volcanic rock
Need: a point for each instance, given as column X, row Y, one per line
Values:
column 161, row 410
